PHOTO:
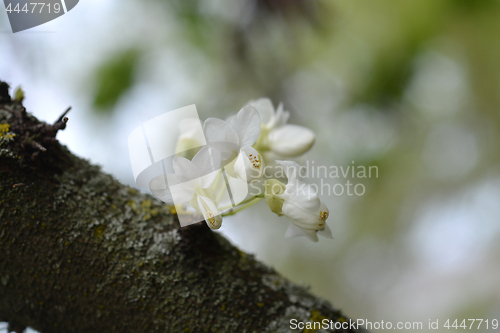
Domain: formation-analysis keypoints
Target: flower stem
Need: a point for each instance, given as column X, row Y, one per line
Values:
column 221, row 189
column 245, row 205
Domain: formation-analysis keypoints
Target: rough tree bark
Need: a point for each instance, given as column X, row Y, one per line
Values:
column 80, row 252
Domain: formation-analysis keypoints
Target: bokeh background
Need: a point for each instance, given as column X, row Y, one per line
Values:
column 412, row 87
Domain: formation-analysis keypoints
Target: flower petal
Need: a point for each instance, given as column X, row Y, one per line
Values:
column 301, row 217
column 185, row 181
column 239, row 190
column 221, row 136
column 265, row 108
column 182, row 191
column 294, row 231
column 207, row 160
column 312, row 235
column 326, row 232
column 249, row 165
column 247, row 125
column 297, row 192
column 291, row 140
column 185, row 168
column 159, row 188
column 280, row 118
column 217, row 130
column 302, row 195
column 291, row 169
column 208, row 179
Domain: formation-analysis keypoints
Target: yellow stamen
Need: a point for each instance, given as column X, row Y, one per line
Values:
column 211, row 218
column 323, row 215
column 255, row 160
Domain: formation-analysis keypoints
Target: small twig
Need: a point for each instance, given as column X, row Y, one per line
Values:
column 60, row 124
column 30, row 141
column 63, row 116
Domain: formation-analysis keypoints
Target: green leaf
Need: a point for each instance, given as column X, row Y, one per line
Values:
column 114, row 78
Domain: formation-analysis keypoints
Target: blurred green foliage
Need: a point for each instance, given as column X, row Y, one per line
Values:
column 113, row 78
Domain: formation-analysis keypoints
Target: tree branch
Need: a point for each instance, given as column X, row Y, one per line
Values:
column 80, row 252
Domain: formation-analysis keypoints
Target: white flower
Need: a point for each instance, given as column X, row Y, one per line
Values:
column 234, row 139
column 301, row 205
column 248, row 166
column 277, row 136
column 194, row 182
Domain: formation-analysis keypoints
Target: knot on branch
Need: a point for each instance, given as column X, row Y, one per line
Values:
column 31, row 135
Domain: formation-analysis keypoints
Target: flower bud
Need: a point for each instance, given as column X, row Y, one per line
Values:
column 274, row 188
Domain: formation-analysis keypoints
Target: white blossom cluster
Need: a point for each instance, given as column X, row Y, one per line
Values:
column 235, row 155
